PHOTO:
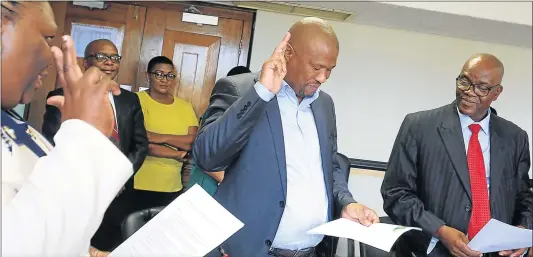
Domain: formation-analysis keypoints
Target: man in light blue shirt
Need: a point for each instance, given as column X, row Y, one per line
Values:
column 275, row 137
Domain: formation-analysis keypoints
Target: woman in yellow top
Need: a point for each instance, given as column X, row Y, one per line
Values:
column 171, row 126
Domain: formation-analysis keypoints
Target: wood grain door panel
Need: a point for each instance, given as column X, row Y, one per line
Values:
column 196, row 59
column 202, row 54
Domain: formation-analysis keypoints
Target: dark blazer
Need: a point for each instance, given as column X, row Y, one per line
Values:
column 242, row 135
column 427, row 181
column 133, row 140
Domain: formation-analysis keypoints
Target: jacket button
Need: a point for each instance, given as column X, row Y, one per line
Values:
column 268, row 243
column 282, row 204
column 245, row 107
column 248, row 103
column 239, row 116
column 468, row 208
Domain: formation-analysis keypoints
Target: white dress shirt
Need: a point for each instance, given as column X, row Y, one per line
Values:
column 307, row 204
column 52, row 205
column 484, row 141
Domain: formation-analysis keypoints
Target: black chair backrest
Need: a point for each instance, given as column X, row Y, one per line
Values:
column 369, row 251
column 136, row 220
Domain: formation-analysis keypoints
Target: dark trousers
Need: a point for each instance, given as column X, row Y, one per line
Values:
column 109, row 234
column 142, row 199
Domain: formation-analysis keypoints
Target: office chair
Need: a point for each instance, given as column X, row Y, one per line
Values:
column 136, row 220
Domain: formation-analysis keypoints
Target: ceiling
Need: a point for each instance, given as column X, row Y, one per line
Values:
column 397, row 16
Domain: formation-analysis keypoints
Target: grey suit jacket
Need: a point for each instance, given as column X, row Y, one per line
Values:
column 427, row 182
column 242, row 135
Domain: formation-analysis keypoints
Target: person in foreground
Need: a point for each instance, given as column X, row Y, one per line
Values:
column 130, row 137
column 53, row 199
column 275, row 137
column 454, row 168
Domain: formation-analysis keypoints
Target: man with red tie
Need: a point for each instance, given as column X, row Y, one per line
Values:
column 129, row 135
column 454, row 168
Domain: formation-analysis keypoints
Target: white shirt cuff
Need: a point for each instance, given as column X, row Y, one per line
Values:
column 263, row 93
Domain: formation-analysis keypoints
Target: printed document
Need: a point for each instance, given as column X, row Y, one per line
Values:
column 380, row 235
column 497, row 236
column 190, row 226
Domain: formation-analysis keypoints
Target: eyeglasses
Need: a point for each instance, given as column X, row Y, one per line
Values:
column 464, row 84
column 160, row 75
column 100, row 57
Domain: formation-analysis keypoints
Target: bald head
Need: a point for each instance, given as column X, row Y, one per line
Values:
column 103, row 54
column 311, row 29
column 96, row 45
column 485, row 64
column 311, row 55
column 478, row 85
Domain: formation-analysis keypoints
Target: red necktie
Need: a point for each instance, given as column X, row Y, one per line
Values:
column 114, row 136
column 478, row 184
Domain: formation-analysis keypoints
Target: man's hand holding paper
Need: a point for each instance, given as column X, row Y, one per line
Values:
column 379, row 235
column 360, row 213
column 508, row 237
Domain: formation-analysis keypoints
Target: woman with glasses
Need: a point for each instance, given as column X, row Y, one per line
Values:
column 171, row 126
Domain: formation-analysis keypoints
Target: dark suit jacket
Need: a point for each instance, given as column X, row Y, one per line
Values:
column 242, row 135
column 427, row 182
column 133, row 140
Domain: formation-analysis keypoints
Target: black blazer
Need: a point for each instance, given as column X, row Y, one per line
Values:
column 427, row 182
column 133, row 140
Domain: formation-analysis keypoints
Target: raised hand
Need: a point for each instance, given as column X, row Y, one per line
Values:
column 275, row 68
column 86, row 95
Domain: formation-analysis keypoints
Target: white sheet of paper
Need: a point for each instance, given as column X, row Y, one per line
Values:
column 126, row 87
column 192, row 225
column 497, row 236
column 381, row 235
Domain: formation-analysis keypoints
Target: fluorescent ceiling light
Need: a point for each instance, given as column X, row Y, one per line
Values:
column 297, row 9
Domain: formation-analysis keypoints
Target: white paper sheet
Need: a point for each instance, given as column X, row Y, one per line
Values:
column 126, row 87
column 381, row 235
column 497, row 236
column 192, row 225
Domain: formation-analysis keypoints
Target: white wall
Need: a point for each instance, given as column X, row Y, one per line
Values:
column 383, row 74
column 507, row 11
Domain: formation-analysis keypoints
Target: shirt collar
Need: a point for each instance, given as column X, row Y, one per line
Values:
column 287, row 90
column 467, row 121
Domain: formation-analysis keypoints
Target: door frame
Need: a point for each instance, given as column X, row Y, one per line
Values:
column 34, row 110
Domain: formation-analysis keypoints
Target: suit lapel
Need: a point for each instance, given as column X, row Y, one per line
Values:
column 497, row 154
column 274, row 119
column 323, row 134
column 452, row 138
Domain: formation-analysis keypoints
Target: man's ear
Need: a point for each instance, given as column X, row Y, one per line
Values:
column 289, row 52
column 499, row 90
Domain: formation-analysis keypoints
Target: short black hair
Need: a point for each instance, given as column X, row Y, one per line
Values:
column 10, row 10
column 158, row 60
column 238, row 70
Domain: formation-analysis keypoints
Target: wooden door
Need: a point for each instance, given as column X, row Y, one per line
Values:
column 126, row 19
column 202, row 54
column 196, row 59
